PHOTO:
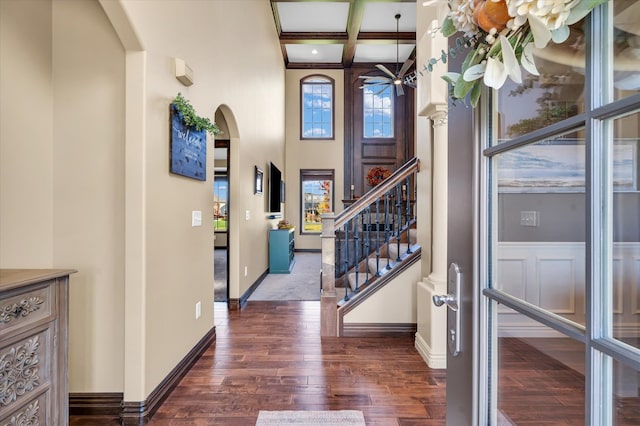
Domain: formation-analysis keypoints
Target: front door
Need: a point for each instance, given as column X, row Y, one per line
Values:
column 551, row 295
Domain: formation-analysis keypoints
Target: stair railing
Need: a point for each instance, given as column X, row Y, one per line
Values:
column 353, row 238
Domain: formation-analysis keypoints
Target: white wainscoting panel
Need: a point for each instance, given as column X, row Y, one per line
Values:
column 552, row 276
column 557, row 284
column 512, row 279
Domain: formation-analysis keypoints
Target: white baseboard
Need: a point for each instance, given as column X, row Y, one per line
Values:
column 433, row 360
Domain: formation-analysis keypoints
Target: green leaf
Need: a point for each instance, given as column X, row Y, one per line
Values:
column 190, row 118
column 451, row 77
column 581, row 10
column 475, row 92
column 448, row 29
column 462, row 87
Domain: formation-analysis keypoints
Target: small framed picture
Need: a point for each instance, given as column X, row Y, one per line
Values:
column 257, row 189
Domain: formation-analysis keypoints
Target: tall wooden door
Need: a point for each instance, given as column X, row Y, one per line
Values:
column 366, row 149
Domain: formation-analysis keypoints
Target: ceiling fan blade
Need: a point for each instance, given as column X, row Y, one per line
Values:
column 405, row 67
column 385, row 70
column 399, row 90
column 377, row 78
column 373, row 85
column 380, row 91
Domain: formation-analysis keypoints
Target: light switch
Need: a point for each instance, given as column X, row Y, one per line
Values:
column 529, row 218
column 247, row 214
column 196, row 218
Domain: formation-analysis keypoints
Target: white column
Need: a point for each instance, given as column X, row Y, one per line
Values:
column 431, row 338
column 433, row 93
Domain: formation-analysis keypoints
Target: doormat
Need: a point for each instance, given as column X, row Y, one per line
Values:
column 310, row 418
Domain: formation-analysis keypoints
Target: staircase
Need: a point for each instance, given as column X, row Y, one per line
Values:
column 367, row 245
column 392, row 256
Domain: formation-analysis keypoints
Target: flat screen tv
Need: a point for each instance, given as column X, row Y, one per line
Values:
column 275, row 186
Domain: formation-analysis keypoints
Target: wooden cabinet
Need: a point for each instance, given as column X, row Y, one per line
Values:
column 33, row 346
column 281, row 251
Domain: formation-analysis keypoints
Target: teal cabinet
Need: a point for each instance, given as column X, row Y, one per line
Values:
column 281, row 251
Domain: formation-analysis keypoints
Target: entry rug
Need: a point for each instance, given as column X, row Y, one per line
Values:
column 310, row 418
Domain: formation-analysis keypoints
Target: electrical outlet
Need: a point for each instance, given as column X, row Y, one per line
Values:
column 198, row 310
column 247, row 214
column 246, row 271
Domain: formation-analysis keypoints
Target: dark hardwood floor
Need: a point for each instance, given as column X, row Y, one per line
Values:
column 269, row 356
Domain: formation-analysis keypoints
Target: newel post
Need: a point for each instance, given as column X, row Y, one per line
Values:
column 328, row 298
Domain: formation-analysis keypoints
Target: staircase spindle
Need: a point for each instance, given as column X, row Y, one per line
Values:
column 399, row 213
column 387, row 224
column 356, row 254
column 338, row 257
column 367, row 228
column 405, row 191
column 378, row 236
column 346, row 260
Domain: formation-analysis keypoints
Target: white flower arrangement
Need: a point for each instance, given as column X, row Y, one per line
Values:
column 502, row 35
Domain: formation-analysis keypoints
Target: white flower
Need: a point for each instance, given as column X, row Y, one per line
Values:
column 544, row 16
column 527, row 60
column 495, row 74
column 511, row 65
column 462, row 16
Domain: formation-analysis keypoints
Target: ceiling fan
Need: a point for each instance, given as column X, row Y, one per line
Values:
column 394, row 79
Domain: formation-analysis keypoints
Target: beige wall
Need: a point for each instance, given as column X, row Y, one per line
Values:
column 61, row 150
column 394, row 303
column 26, row 134
column 84, row 178
column 311, row 154
column 88, row 213
column 179, row 258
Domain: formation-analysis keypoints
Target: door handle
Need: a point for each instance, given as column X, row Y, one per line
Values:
column 446, row 299
column 453, row 313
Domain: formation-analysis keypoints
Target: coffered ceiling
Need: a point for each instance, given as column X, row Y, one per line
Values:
column 342, row 33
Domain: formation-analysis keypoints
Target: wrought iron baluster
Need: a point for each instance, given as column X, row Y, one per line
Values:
column 356, row 254
column 405, row 191
column 378, row 236
column 387, row 224
column 367, row 227
column 338, row 259
column 399, row 213
column 346, row 261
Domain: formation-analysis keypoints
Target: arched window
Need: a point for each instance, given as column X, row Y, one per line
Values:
column 377, row 112
column 316, row 107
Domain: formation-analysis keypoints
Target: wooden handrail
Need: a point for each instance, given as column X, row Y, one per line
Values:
column 396, row 177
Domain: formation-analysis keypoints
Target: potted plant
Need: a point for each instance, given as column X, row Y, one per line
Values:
column 190, row 118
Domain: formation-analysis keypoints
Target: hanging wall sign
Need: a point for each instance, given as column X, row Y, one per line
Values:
column 188, row 152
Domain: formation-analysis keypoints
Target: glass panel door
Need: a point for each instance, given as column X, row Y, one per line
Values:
column 559, row 235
